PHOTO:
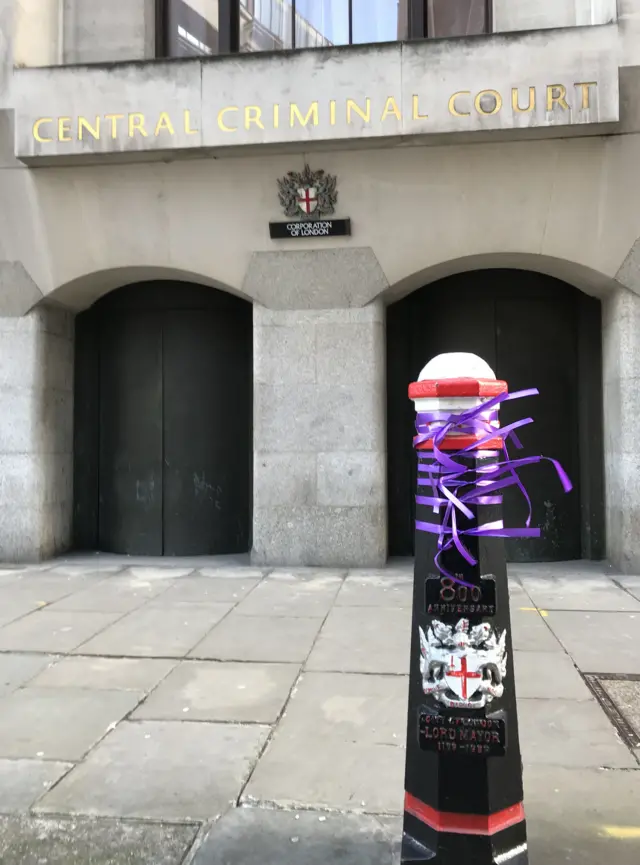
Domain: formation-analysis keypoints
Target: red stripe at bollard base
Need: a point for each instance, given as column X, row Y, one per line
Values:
column 463, row 780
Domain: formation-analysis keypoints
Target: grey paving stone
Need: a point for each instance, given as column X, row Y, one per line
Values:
column 284, row 594
column 157, row 631
column 49, row 631
column 630, row 584
column 368, row 591
column 600, row 642
column 572, row 815
column 86, row 569
column 16, row 669
column 78, row 841
column 251, row 836
column 117, row 594
column 11, row 610
column 575, row 593
column 350, row 707
column 22, row 782
column 548, row 675
column 347, row 776
column 105, row 674
column 206, row 590
column 211, row 691
column 163, row 573
column 161, row 770
column 259, row 638
column 363, row 640
column 571, row 734
column 58, row 724
column 234, row 572
column 45, row 588
column 530, row 632
column 340, row 745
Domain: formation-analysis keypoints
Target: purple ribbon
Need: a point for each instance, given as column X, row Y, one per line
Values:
column 457, row 488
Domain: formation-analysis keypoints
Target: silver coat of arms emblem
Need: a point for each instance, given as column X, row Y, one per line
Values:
column 308, row 194
column 463, row 667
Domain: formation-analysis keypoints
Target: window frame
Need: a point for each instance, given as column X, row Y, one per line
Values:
column 229, row 24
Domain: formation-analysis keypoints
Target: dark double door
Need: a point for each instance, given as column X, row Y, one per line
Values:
column 163, row 422
column 534, row 332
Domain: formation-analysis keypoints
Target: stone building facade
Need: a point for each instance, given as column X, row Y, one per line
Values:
column 174, row 380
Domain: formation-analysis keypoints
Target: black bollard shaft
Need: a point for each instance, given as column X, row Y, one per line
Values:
column 463, row 780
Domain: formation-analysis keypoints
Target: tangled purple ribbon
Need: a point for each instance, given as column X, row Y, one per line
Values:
column 455, row 492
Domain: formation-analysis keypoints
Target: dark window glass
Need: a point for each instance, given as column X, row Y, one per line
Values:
column 192, row 28
column 456, row 17
column 321, row 22
column 379, row 20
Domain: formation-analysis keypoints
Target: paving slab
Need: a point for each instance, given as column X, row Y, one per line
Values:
column 351, row 707
column 164, row 573
column 161, row 770
column 570, row 733
column 105, row 674
column 548, row 675
column 284, row 594
column 118, row 594
column 78, row 841
column 363, row 640
column 368, row 591
column 629, row 584
column 579, row 817
column 11, row 610
column 156, row 632
column 600, row 642
column 206, row 590
column 45, row 588
column 530, row 632
column 234, row 572
column 213, row 691
column 59, row 724
column 259, row 638
column 23, row 782
column 578, row 593
column 49, row 631
column 251, row 836
column 340, row 745
column 16, row 669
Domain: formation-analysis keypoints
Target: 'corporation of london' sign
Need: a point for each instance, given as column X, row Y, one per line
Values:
column 372, row 93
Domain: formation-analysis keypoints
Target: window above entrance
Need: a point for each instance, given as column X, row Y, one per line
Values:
column 68, row 32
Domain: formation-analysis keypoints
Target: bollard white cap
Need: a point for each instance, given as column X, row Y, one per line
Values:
column 462, row 367
column 457, row 364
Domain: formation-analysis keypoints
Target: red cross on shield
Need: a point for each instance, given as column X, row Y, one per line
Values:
column 463, row 676
column 307, row 199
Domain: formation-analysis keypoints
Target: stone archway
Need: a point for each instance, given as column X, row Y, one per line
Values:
column 534, row 330
column 163, row 441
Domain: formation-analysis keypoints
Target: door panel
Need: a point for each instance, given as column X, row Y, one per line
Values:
column 205, row 462
column 537, row 348
column 526, row 327
column 130, row 519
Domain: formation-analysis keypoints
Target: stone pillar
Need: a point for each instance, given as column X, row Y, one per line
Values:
column 621, row 379
column 319, row 437
column 97, row 32
column 36, row 434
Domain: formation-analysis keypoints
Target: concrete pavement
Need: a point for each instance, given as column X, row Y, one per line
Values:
column 214, row 713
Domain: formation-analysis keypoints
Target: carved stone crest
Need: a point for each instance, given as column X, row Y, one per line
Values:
column 463, row 667
column 308, row 194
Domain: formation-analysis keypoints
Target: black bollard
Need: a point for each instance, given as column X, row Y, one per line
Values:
column 463, row 781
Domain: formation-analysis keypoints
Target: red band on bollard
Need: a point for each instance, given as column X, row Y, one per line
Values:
column 463, row 824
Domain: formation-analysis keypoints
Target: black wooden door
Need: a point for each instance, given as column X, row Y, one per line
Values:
column 130, row 435
column 205, row 435
column 526, row 327
column 167, row 452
